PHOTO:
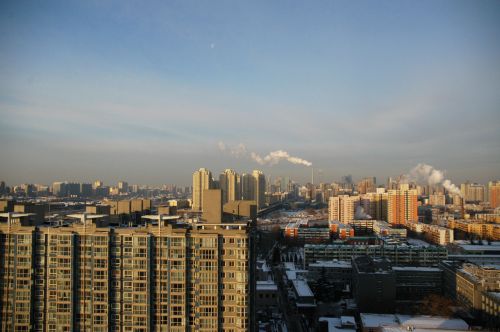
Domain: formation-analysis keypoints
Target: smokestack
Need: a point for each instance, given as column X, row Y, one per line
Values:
column 462, row 212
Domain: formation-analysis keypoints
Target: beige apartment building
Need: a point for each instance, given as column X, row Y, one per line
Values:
column 229, row 182
column 342, row 208
column 485, row 230
column 202, row 179
column 378, row 204
column 165, row 276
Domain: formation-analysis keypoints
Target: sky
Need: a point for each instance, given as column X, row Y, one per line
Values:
column 146, row 91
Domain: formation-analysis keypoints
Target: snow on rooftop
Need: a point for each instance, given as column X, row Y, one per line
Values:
column 495, row 294
column 267, row 285
column 291, row 275
column 404, row 329
column 416, row 268
column 334, row 263
column 417, row 242
column 376, row 320
column 302, row 288
column 348, row 320
column 433, row 322
column 396, row 323
column 478, row 247
column 335, row 324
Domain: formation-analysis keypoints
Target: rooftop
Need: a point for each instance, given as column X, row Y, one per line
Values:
column 339, row 324
column 398, row 322
column 267, row 285
column 302, row 288
column 416, row 268
column 334, row 263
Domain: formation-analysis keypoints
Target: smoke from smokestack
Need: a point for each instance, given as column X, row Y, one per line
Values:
column 360, row 214
column 428, row 174
column 272, row 158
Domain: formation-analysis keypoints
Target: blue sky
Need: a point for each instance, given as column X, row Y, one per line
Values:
column 144, row 90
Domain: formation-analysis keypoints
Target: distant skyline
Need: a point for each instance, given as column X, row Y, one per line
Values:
column 146, row 91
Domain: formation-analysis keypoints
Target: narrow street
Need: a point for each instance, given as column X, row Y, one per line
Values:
column 289, row 311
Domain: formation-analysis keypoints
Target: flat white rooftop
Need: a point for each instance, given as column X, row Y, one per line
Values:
column 331, row 264
column 396, row 322
column 416, row 268
column 302, row 288
column 268, row 285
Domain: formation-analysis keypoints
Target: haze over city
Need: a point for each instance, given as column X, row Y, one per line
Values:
column 148, row 91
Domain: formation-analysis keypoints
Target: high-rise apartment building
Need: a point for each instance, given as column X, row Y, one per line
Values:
column 343, row 207
column 473, row 192
column 229, row 182
column 59, row 189
column 367, row 185
column 167, row 276
column 247, row 187
column 494, row 193
column 437, row 199
column 202, row 179
column 253, row 188
column 260, row 188
column 402, row 206
column 123, row 187
column 378, row 204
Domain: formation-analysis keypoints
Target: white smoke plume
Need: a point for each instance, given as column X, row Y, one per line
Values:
column 424, row 173
column 238, row 151
column 360, row 214
column 271, row 159
column 276, row 156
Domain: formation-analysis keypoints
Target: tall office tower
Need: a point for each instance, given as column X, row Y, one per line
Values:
column 437, row 199
column 402, row 205
column 229, row 182
column 59, row 189
column 247, row 187
column 392, row 183
column 123, row 187
column 260, row 188
column 202, row 179
column 85, row 189
column 367, row 185
column 97, row 184
column 343, row 207
column 494, row 193
column 378, row 204
column 161, row 277
column 73, row 189
column 473, row 192
column 286, row 185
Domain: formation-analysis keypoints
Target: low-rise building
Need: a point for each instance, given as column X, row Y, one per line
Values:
column 402, row 254
column 474, row 286
column 432, row 233
column 415, row 283
column 400, row 323
column 337, row 272
column 480, row 228
column 266, row 294
column 374, row 284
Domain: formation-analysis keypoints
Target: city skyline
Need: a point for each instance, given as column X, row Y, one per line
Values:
column 136, row 91
column 319, row 178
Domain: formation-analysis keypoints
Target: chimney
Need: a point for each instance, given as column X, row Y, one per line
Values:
column 462, row 212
